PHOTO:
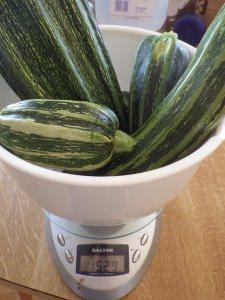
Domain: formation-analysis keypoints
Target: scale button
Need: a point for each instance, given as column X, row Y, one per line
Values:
column 144, row 239
column 69, row 256
column 61, row 239
column 136, row 256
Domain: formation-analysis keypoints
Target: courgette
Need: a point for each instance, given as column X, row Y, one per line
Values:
column 139, row 76
column 62, row 134
column 160, row 62
column 188, row 115
column 54, row 49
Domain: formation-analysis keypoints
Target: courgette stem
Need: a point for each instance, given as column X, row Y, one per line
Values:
column 122, row 142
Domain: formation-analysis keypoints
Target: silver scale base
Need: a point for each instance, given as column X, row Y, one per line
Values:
column 139, row 237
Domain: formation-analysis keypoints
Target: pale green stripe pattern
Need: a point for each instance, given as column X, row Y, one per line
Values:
column 54, row 49
column 156, row 76
column 63, row 134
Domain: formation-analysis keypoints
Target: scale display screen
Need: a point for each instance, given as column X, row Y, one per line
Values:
column 102, row 259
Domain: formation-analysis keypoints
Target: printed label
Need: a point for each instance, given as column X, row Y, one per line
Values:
column 131, row 9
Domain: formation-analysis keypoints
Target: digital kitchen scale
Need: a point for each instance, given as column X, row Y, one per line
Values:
column 105, row 262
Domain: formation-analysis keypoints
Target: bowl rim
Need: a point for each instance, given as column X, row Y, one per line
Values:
column 122, row 180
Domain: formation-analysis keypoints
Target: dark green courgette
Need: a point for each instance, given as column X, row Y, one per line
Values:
column 139, row 76
column 160, row 62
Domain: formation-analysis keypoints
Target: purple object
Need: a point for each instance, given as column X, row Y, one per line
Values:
column 190, row 29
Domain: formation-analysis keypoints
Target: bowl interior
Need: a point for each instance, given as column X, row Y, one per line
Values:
column 122, row 43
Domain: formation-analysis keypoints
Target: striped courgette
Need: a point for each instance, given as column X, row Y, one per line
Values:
column 62, row 134
column 188, row 115
column 160, row 62
column 139, row 75
column 54, row 49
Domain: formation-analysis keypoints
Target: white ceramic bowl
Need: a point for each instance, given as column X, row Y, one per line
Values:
column 107, row 200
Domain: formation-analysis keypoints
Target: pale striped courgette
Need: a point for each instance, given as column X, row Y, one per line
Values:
column 62, row 134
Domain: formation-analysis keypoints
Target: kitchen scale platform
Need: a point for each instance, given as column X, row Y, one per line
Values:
column 102, row 262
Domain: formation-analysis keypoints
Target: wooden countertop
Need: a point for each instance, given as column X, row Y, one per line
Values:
column 190, row 259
